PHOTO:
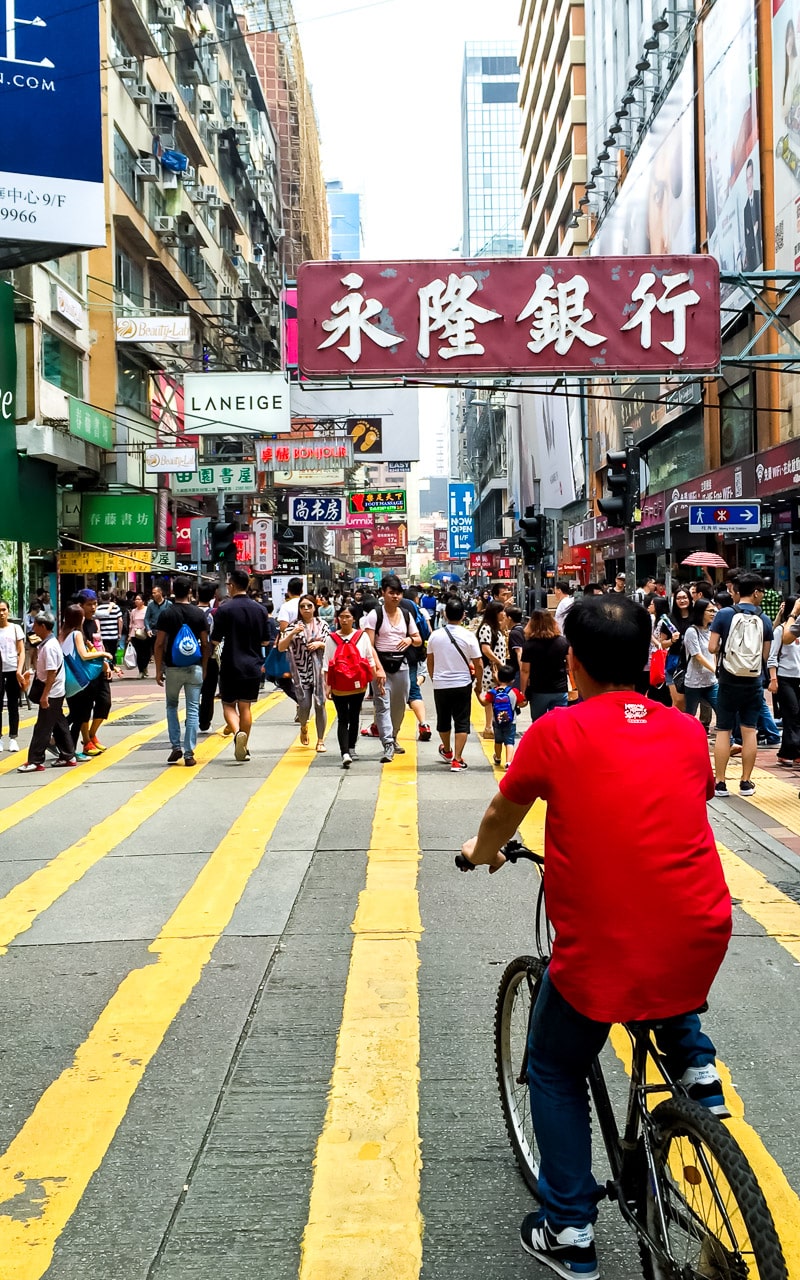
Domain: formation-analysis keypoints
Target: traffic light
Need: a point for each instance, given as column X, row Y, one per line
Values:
column 531, row 536
column 223, row 547
column 621, row 508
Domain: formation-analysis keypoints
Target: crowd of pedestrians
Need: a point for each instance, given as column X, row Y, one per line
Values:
column 713, row 652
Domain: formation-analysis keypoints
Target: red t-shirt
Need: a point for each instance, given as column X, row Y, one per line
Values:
column 634, row 883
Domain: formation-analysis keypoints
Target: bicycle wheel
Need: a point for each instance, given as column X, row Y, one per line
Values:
column 511, row 1017
column 717, row 1223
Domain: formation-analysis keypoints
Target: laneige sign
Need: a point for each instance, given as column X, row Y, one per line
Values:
column 236, row 404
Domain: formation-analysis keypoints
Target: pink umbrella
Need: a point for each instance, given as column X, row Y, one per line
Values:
column 706, row 560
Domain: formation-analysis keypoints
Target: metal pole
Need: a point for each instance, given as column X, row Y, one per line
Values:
column 630, row 535
column 668, row 544
column 222, row 572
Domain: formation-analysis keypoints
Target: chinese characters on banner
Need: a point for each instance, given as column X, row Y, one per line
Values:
column 238, row 477
column 513, row 316
column 313, row 509
column 391, row 502
column 264, row 548
column 310, row 456
column 440, row 544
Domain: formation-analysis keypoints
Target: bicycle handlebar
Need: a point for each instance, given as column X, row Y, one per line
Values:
column 512, row 852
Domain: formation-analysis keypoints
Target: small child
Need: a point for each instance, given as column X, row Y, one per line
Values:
column 504, row 699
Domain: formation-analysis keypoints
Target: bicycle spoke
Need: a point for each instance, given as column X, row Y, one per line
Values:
column 705, row 1227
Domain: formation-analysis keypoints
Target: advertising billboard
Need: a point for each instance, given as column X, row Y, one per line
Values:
column 733, row 170
column 786, row 111
column 51, row 156
column 655, row 209
column 382, row 423
column 654, row 310
column 229, row 404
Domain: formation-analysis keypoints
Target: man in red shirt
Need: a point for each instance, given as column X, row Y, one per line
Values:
column 639, row 904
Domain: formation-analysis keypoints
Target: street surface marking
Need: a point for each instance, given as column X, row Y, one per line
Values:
column 364, row 1217
column 19, row 757
column 30, row 721
column 776, row 798
column 777, row 914
column 23, row 904
column 47, row 1166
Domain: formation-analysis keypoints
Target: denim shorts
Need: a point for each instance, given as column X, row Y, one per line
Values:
column 505, row 735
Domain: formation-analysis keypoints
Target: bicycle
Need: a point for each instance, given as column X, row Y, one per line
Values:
column 678, row 1176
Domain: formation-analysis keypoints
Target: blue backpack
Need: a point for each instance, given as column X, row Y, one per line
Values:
column 186, row 651
column 503, row 708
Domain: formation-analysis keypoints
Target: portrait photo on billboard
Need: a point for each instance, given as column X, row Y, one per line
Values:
column 786, row 128
column 654, row 212
column 733, row 170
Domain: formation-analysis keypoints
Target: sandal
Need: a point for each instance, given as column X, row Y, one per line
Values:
column 496, row 760
column 321, row 748
column 304, row 735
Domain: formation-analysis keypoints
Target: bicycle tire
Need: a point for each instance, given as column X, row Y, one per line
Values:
column 511, row 1014
column 698, row 1236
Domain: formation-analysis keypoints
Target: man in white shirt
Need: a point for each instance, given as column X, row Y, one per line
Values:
column 392, row 631
column 51, row 721
column 287, row 614
column 454, row 665
column 564, row 602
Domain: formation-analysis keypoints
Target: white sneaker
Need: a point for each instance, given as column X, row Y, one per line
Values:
column 347, row 760
column 13, row 745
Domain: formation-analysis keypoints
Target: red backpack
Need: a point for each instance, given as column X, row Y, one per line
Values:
column 348, row 671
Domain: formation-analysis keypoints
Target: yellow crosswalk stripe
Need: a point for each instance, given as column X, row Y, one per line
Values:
column 23, row 904
column 119, row 713
column 65, row 1139
column 30, row 721
column 364, row 1216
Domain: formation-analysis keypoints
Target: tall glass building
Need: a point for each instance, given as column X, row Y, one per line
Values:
column 490, row 132
column 344, row 208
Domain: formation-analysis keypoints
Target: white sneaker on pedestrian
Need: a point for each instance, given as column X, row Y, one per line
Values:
column 347, row 760
column 13, row 745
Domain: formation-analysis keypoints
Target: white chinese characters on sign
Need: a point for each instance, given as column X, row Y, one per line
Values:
column 447, row 307
column 353, row 315
column 667, row 304
column 560, row 315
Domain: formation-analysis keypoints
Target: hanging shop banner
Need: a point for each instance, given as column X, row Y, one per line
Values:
column 90, row 424
column 512, row 316
column 375, row 502
column 733, row 169
column 120, row 561
column 236, row 477
column 786, row 116
column 440, row 544
column 307, row 455
column 51, row 160
column 460, row 506
column 154, row 329
column 390, row 535
column 229, row 404
column 480, row 560
column 113, row 518
column 382, row 422
column 264, row 538
column 312, row 509
column 359, row 520
column 159, row 461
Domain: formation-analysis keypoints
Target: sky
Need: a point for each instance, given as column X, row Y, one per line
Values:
column 386, row 80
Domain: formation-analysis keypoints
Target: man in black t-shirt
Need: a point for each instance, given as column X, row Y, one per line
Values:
column 243, row 625
column 186, row 674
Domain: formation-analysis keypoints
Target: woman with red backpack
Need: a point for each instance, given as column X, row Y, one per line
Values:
column 349, row 663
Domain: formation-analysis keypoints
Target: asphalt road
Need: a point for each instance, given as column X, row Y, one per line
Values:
column 248, row 1005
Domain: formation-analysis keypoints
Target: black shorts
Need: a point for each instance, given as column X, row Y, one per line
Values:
column 453, row 707
column 233, row 688
column 93, row 702
column 745, row 700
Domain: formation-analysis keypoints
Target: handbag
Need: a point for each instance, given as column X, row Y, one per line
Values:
column 36, row 690
column 658, row 667
column 276, row 665
column 680, row 679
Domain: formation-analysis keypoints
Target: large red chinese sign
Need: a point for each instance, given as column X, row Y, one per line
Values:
column 512, row 316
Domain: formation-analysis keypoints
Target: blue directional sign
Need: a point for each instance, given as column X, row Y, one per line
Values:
column 460, row 505
column 717, row 517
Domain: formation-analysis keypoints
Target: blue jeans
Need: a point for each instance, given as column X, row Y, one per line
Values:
column 541, row 703
column 708, row 693
column 190, row 679
column 561, row 1048
column 414, row 694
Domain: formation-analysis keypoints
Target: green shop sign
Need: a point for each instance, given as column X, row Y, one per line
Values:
column 118, row 519
column 90, row 424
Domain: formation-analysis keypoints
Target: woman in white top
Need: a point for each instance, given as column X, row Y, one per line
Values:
column 12, row 665
column 701, row 672
column 347, row 701
column 783, row 665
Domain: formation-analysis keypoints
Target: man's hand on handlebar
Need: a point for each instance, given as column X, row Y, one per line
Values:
column 480, row 857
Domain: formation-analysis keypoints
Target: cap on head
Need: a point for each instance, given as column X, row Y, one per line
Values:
column 620, row 577
column 87, row 594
